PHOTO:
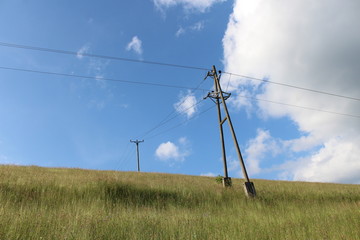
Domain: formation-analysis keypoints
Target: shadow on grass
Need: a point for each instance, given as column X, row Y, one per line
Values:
column 111, row 193
column 129, row 195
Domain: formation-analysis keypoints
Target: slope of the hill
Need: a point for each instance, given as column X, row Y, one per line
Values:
column 48, row 203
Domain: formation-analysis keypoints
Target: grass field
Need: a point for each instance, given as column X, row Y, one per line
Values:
column 48, row 203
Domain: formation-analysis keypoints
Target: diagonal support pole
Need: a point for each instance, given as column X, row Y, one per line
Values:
column 218, row 94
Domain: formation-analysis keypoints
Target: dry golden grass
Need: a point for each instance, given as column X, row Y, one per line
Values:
column 46, row 203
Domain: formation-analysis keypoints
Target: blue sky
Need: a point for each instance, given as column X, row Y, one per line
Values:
column 63, row 121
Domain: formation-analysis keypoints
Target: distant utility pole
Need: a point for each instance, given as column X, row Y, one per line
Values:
column 137, row 152
column 219, row 97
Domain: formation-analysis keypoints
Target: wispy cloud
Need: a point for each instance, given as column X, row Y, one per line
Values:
column 135, row 45
column 209, row 174
column 196, row 27
column 84, row 49
column 97, row 104
column 180, row 32
column 187, row 104
column 188, row 5
column 96, row 68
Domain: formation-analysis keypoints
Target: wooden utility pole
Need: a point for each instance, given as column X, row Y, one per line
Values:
column 219, row 97
column 137, row 152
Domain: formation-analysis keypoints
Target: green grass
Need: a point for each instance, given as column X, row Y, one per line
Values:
column 45, row 203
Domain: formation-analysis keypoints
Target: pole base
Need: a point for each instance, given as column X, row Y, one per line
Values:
column 249, row 188
column 226, row 181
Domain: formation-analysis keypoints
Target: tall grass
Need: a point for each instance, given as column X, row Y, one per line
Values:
column 44, row 203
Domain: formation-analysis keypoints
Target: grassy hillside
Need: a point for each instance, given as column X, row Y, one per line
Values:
column 44, row 203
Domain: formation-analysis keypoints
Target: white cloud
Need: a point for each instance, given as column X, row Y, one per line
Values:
column 135, row 45
column 100, row 81
column 209, row 174
column 97, row 68
column 198, row 26
column 167, row 150
column 318, row 49
column 233, row 164
column 180, row 32
column 183, row 141
column 303, row 143
column 337, row 161
column 187, row 104
column 189, row 5
column 259, row 147
column 170, row 152
column 83, row 50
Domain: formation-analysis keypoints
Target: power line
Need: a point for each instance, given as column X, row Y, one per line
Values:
column 263, row 100
column 166, row 119
column 293, row 86
column 12, row 45
column 170, row 86
column 124, row 157
column 99, row 78
column 297, row 106
column 182, row 123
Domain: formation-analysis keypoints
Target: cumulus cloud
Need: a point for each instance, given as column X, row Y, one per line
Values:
column 337, row 161
column 135, row 45
column 257, row 148
column 195, row 5
column 305, row 43
column 170, row 152
column 167, row 151
column 187, row 104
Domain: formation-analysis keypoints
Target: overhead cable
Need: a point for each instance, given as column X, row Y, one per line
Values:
column 297, row 106
column 12, row 45
column 100, row 78
column 182, row 123
column 171, row 86
column 166, row 119
column 98, row 56
column 293, row 86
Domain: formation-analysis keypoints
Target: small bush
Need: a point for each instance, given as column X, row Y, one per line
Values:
column 219, row 179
